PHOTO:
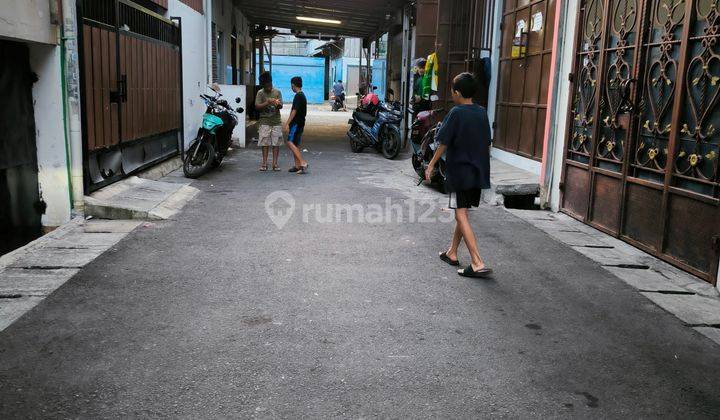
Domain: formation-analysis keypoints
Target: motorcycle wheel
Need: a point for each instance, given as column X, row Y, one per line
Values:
column 217, row 161
column 354, row 145
column 417, row 164
column 391, row 144
column 440, row 177
column 197, row 164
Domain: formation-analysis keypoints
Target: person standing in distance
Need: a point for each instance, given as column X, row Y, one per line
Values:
column 295, row 125
column 269, row 102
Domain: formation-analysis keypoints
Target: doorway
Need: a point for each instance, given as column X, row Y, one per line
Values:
column 20, row 203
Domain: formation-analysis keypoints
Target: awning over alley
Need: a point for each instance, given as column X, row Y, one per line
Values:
column 362, row 19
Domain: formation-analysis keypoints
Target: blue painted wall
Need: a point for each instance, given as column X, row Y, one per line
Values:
column 337, row 66
column 311, row 69
column 379, row 68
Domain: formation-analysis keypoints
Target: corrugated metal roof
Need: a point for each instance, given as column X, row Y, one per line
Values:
column 359, row 18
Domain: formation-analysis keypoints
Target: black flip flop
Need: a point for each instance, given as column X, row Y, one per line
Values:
column 469, row 272
column 444, row 257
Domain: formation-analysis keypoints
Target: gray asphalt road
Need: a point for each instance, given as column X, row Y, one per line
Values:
column 221, row 314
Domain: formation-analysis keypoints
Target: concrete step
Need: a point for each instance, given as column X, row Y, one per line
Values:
column 507, row 180
column 138, row 198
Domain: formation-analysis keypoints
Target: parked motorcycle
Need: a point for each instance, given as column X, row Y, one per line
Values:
column 423, row 137
column 214, row 136
column 337, row 102
column 380, row 130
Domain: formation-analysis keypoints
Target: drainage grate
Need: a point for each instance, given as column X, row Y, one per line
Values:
column 520, row 202
column 674, row 292
column 630, row 266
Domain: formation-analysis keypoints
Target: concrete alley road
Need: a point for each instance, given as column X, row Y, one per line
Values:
column 219, row 314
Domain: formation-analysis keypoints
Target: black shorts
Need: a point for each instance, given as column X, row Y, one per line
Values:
column 465, row 199
column 295, row 135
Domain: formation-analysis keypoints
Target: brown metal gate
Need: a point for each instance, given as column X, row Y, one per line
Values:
column 131, row 89
column 464, row 35
column 525, row 62
column 641, row 154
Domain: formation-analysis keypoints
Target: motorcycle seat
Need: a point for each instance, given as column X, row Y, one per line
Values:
column 364, row 117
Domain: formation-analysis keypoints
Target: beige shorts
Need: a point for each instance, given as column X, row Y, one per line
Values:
column 270, row 135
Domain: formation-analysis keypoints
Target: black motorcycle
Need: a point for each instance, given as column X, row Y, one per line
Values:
column 337, row 102
column 376, row 126
column 423, row 138
column 214, row 136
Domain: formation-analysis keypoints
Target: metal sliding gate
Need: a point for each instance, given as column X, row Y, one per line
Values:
column 131, row 89
column 641, row 154
column 464, row 38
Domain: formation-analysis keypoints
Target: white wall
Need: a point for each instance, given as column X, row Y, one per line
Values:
column 225, row 17
column 230, row 92
column 27, row 20
column 495, row 63
column 194, row 57
column 53, row 174
column 566, row 50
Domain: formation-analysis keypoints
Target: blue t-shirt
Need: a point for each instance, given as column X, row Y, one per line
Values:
column 466, row 133
column 338, row 89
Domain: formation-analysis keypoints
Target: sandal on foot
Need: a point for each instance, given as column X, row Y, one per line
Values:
column 481, row 273
column 302, row 169
column 263, row 168
column 294, row 169
column 444, row 257
column 276, row 169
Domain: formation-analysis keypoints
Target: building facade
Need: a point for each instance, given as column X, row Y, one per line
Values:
column 634, row 142
column 612, row 103
column 34, row 155
column 102, row 89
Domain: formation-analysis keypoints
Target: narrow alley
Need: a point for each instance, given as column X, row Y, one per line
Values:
column 218, row 313
column 480, row 209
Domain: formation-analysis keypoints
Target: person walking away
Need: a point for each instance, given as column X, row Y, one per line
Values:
column 269, row 102
column 295, row 125
column 339, row 92
column 465, row 135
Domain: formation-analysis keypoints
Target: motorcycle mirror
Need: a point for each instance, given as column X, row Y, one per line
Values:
column 237, row 100
column 374, row 87
column 239, row 110
column 215, row 87
column 434, row 97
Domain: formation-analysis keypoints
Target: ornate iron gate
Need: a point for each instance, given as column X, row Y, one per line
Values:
column 641, row 154
column 131, row 89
